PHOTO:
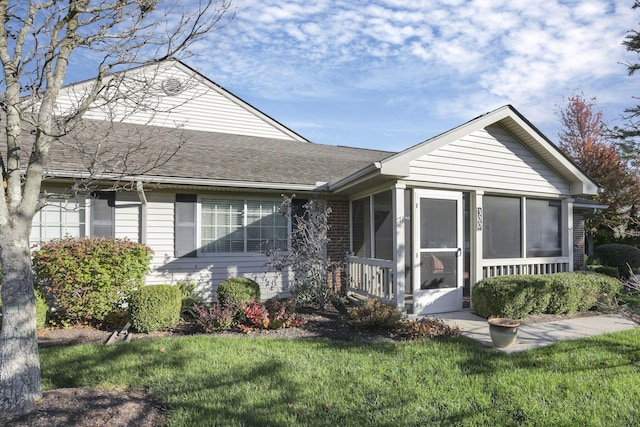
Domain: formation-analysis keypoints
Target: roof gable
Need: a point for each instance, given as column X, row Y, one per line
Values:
column 171, row 94
column 524, row 132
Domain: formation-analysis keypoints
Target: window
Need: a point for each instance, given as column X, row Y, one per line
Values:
column 543, row 228
column 236, row 226
column 59, row 218
column 103, row 214
column 504, row 231
column 376, row 243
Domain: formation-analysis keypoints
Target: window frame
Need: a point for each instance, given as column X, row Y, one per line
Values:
column 524, row 252
column 373, row 223
column 246, row 252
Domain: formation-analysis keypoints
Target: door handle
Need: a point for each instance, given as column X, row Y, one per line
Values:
column 459, row 252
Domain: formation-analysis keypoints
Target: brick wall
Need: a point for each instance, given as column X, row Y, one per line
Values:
column 578, row 241
column 339, row 244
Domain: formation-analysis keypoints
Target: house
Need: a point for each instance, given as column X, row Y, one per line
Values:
column 205, row 172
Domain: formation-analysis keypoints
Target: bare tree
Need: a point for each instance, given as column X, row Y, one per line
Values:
column 38, row 41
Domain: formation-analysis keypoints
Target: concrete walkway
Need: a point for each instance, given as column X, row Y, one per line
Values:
column 536, row 335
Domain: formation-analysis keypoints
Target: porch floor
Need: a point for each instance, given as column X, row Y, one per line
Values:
column 536, row 335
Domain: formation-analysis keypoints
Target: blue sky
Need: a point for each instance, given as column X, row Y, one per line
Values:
column 388, row 74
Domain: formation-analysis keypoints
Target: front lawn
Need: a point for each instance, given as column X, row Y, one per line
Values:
column 234, row 381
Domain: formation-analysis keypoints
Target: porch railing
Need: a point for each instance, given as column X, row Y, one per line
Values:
column 510, row 266
column 371, row 277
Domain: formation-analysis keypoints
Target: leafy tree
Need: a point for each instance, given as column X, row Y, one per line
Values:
column 583, row 138
column 629, row 133
column 39, row 41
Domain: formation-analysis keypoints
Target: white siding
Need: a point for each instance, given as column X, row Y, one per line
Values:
column 199, row 106
column 127, row 214
column 207, row 271
column 489, row 159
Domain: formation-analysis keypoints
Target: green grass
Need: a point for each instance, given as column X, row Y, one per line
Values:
column 230, row 381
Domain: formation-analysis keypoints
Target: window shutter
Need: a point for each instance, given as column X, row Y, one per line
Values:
column 103, row 214
column 185, row 225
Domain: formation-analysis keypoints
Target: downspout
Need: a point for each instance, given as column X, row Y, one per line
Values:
column 143, row 211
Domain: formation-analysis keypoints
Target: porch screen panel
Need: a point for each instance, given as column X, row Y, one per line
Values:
column 361, row 226
column 544, row 238
column 222, row 229
column 502, row 234
column 266, row 227
column 383, row 225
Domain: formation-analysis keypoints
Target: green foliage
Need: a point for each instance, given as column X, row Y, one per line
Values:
column 190, row 296
column 563, row 293
column 85, row 279
column 156, row 307
column 376, row 315
column 603, row 269
column 214, row 318
column 620, row 256
column 41, row 311
column 237, row 293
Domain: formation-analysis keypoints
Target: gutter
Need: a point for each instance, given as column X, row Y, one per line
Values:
column 194, row 181
column 143, row 211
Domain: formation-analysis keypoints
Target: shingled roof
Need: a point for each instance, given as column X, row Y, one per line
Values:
column 208, row 155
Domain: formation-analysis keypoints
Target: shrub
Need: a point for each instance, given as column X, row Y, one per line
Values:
column 562, row 293
column 619, row 256
column 213, row 318
column 273, row 314
column 41, row 311
column 190, row 297
column 374, row 314
column 156, row 307
column 85, row 280
column 237, row 293
column 427, row 328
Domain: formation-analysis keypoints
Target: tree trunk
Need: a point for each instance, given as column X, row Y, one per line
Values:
column 19, row 358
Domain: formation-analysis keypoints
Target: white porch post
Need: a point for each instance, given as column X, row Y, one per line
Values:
column 476, row 238
column 567, row 239
column 399, row 245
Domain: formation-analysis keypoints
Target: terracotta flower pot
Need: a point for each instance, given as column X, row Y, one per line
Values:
column 503, row 331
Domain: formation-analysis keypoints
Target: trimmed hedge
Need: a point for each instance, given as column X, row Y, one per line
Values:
column 85, row 280
column 619, row 256
column 237, row 293
column 155, row 307
column 562, row 293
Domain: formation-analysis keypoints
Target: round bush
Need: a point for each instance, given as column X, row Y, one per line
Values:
column 620, row 256
column 239, row 289
column 155, row 307
column 85, row 280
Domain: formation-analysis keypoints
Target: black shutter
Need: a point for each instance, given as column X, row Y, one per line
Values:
column 185, row 225
column 103, row 214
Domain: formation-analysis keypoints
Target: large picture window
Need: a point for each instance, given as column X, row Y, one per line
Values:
column 238, row 226
column 504, row 230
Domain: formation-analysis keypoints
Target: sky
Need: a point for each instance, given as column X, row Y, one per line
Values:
column 388, row 74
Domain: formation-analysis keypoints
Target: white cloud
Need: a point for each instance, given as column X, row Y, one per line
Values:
column 461, row 56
